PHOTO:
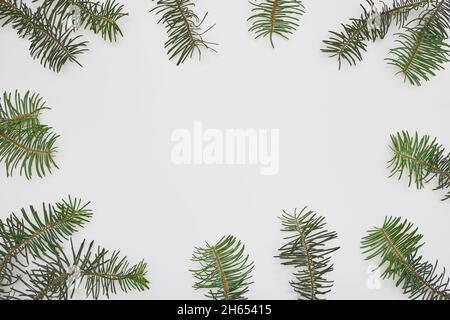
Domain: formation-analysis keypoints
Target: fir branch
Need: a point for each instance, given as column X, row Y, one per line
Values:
column 18, row 110
column 29, row 235
column 349, row 44
column 224, row 269
column 279, row 17
column 31, row 149
column 51, row 43
column 422, row 47
column 184, row 29
column 56, row 276
column 108, row 272
column 24, row 142
column 308, row 252
column 397, row 243
column 101, row 18
column 423, row 159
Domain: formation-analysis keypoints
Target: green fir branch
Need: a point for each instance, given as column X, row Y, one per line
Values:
column 397, row 243
column 50, row 43
column 184, row 29
column 30, row 149
column 25, row 143
column 423, row 47
column 100, row 17
column 225, row 271
column 28, row 235
column 275, row 17
column 349, row 44
column 20, row 110
column 422, row 158
column 56, row 276
column 307, row 250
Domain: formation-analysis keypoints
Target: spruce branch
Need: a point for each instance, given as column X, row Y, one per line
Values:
column 34, row 263
column 423, row 47
column 307, row 250
column 50, row 43
column 32, row 149
column 101, row 18
column 397, row 243
column 280, row 17
column 224, row 270
column 25, row 143
column 350, row 44
column 20, row 110
column 26, row 236
column 55, row 276
column 184, row 29
column 422, row 158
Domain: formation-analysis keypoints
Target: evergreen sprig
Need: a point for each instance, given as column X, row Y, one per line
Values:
column 55, row 276
column 307, row 250
column 422, row 158
column 20, row 110
column 422, row 49
column 280, row 17
column 25, row 143
column 50, row 43
column 101, row 18
column 225, row 270
column 52, row 28
column 184, row 29
column 34, row 265
column 397, row 243
column 25, row 236
column 350, row 44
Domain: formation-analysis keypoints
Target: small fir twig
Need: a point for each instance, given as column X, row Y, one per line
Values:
column 397, row 244
column 308, row 251
column 184, row 29
column 422, row 158
column 224, row 269
column 26, row 144
column 275, row 17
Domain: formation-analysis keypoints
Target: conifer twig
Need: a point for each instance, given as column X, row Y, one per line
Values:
column 397, row 243
column 308, row 252
column 52, row 28
column 422, row 40
column 423, row 158
column 275, row 17
column 184, row 29
column 224, row 269
column 34, row 264
column 25, row 143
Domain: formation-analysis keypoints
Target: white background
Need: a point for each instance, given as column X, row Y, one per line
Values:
column 116, row 115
